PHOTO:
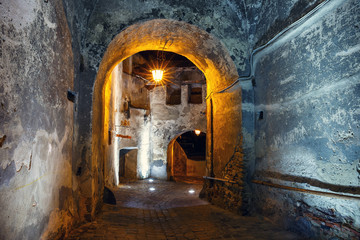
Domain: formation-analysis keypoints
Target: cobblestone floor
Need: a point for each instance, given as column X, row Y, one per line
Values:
column 169, row 210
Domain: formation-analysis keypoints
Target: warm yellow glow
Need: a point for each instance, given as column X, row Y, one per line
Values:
column 106, row 110
column 197, row 132
column 157, row 75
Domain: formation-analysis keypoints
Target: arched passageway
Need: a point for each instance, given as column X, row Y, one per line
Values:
column 145, row 114
column 209, row 55
column 186, row 156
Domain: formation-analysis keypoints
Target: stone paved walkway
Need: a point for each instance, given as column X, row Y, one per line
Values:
column 169, row 210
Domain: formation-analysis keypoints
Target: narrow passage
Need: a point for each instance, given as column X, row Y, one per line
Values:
column 168, row 210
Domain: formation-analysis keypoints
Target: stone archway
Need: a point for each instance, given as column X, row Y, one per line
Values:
column 200, row 47
column 184, row 163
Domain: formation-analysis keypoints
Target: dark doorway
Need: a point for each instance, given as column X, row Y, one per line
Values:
column 128, row 163
column 187, row 156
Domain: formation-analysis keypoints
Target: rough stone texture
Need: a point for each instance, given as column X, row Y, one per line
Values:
column 307, row 86
column 268, row 18
column 220, row 18
column 77, row 13
column 169, row 121
column 224, row 164
column 36, row 71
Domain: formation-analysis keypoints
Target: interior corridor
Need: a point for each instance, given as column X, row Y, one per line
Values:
column 164, row 210
column 260, row 99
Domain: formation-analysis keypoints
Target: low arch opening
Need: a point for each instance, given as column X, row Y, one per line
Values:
column 186, row 157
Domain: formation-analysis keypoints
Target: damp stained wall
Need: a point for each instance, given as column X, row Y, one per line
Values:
column 308, row 88
column 36, row 121
column 216, row 17
column 129, row 127
column 169, row 121
column 265, row 19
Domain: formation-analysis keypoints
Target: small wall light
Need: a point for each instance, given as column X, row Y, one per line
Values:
column 157, row 75
column 191, row 191
column 197, row 132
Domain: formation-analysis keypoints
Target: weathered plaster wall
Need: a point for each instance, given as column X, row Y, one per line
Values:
column 268, row 18
column 224, row 133
column 36, row 69
column 265, row 20
column 307, row 86
column 168, row 121
column 77, row 13
column 129, row 127
column 216, row 17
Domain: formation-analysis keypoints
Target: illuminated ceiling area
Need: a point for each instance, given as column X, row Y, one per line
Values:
column 178, row 70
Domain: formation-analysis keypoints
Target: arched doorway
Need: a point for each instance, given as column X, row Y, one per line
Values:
column 201, row 48
column 186, row 156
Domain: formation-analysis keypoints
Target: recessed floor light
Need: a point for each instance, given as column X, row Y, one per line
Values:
column 151, row 180
column 152, row 189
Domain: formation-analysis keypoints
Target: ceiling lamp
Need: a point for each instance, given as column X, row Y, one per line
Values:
column 157, row 75
column 197, row 132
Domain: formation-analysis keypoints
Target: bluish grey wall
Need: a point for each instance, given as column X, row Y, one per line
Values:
column 216, row 17
column 308, row 87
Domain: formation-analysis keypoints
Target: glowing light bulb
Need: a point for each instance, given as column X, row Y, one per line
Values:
column 197, row 132
column 152, row 189
column 157, row 75
column 191, row 191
